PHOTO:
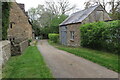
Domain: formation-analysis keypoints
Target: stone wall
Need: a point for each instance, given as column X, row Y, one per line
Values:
column 75, row 28
column 5, row 49
column 99, row 14
column 19, row 28
column 0, row 60
column 18, row 48
column 67, row 36
column 23, row 45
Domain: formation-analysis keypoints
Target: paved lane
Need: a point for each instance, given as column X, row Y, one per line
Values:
column 66, row 65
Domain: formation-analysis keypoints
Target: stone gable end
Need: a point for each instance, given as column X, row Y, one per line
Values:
column 19, row 27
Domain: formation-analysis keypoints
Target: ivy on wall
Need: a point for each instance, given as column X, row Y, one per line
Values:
column 0, row 20
column 5, row 19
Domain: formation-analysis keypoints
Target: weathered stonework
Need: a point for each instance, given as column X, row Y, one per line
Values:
column 75, row 28
column 5, row 49
column 0, row 60
column 19, row 29
column 23, row 45
column 99, row 14
column 18, row 49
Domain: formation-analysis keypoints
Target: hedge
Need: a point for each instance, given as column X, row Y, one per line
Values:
column 53, row 37
column 101, row 35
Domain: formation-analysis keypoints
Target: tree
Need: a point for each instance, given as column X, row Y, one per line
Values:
column 54, row 26
column 114, row 12
column 91, row 3
column 114, row 6
column 52, row 7
column 39, row 14
column 44, row 16
column 59, row 7
column 65, row 6
column 32, row 14
column 87, row 5
column 46, row 19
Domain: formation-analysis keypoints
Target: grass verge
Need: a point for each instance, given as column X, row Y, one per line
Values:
column 108, row 60
column 28, row 65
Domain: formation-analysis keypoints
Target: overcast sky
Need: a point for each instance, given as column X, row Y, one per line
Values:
column 34, row 3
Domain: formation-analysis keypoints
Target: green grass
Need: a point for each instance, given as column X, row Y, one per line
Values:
column 108, row 60
column 28, row 65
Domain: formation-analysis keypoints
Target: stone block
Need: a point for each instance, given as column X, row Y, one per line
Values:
column 5, row 52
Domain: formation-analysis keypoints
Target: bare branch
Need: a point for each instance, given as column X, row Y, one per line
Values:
column 65, row 6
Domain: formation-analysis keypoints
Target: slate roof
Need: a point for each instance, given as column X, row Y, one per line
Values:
column 79, row 16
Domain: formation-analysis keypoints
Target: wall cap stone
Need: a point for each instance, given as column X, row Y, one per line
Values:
column 3, row 43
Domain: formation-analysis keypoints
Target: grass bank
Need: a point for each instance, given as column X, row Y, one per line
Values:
column 108, row 60
column 28, row 65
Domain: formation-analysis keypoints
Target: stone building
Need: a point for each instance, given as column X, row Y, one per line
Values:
column 70, row 28
column 20, row 28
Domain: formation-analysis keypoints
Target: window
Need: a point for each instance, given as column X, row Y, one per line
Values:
column 11, row 24
column 72, row 35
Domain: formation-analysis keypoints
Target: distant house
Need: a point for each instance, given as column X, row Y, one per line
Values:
column 20, row 27
column 69, row 29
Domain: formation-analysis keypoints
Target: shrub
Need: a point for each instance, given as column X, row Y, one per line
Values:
column 54, row 37
column 30, row 40
column 101, row 35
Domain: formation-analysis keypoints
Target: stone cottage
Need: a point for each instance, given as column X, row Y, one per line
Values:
column 20, row 28
column 69, row 29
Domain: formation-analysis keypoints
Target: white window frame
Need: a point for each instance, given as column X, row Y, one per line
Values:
column 72, row 35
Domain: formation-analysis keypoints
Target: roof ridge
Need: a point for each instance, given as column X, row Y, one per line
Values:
column 85, row 9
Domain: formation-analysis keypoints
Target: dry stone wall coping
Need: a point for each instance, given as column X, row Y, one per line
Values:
column 3, row 46
column 3, row 43
column 5, row 52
